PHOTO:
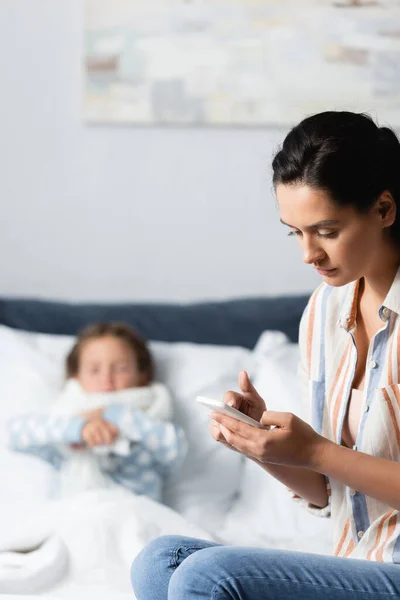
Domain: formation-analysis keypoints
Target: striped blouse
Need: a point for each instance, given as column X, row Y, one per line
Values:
column 364, row 528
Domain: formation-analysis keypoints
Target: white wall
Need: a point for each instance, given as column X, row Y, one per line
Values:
column 124, row 213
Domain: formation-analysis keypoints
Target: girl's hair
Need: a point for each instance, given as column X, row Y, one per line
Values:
column 346, row 155
column 120, row 331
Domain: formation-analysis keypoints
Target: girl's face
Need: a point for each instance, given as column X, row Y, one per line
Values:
column 339, row 242
column 108, row 364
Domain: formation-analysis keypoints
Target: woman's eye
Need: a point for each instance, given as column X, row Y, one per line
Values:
column 319, row 234
column 327, row 235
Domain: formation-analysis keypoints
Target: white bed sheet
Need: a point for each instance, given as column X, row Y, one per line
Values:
column 101, row 533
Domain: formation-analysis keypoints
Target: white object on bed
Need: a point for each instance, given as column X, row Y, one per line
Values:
column 33, row 571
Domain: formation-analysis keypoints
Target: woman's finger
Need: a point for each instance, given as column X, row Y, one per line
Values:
column 248, row 447
column 233, row 399
column 216, row 432
column 276, row 419
column 238, row 444
column 235, row 425
column 248, row 389
column 225, row 443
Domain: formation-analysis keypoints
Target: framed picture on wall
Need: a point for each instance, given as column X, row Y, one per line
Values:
column 239, row 62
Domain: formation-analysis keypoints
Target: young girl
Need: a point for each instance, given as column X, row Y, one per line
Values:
column 337, row 180
column 110, row 426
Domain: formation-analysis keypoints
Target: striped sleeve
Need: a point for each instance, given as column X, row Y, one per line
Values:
column 305, row 342
column 324, row 512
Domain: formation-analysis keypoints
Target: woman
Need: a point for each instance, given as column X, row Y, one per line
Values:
column 337, row 181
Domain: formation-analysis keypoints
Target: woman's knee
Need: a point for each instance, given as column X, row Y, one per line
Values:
column 150, row 563
column 153, row 566
column 199, row 574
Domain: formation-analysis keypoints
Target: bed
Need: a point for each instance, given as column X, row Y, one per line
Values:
column 199, row 350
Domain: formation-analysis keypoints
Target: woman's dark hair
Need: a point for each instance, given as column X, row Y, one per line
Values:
column 346, row 155
column 120, row 331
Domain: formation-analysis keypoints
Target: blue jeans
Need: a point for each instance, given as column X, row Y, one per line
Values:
column 179, row 568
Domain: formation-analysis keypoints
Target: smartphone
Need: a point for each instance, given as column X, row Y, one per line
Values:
column 224, row 409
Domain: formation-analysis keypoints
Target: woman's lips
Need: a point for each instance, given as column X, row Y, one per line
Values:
column 326, row 272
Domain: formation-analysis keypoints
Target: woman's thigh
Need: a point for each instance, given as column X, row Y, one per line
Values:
column 195, row 570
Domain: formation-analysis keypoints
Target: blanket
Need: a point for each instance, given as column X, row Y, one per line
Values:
column 88, row 541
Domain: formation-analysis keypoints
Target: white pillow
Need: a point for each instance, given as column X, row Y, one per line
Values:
column 24, row 479
column 276, row 378
column 264, row 514
column 203, row 489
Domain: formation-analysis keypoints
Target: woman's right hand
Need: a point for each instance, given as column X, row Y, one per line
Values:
column 249, row 402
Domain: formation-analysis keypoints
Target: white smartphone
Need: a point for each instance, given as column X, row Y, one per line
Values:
column 224, row 409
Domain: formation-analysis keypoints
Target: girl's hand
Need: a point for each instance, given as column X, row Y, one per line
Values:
column 99, row 433
column 291, row 442
column 249, row 402
column 77, row 446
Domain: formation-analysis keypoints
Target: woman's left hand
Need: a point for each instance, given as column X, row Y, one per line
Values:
column 290, row 442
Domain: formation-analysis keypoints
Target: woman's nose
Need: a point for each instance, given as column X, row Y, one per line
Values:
column 312, row 253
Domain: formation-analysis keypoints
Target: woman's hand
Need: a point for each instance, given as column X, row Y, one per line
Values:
column 249, row 402
column 98, row 432
column 290, row 442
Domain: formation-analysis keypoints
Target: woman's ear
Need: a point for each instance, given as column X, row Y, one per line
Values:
column 386, row 208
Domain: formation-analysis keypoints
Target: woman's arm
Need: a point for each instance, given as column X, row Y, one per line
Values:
column 293, row 444
column 307, row 484
column 302, row 482
column 376, row 477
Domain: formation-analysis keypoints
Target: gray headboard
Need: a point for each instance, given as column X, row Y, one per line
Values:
column 230, row 322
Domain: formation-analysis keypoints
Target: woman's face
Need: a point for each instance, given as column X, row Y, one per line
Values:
column 108, row 364
column 339, row 242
